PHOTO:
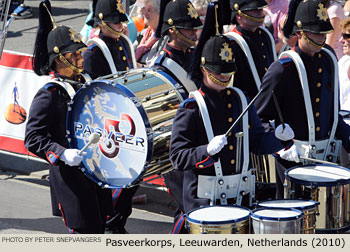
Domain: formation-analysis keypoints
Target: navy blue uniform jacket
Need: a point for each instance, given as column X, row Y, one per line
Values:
column 188, row 146
column 82, row 203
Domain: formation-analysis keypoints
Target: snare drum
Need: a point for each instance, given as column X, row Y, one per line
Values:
column 219, row 220
column 277, row 221
column 133, row 115
column 328, row 185
column 308, row 207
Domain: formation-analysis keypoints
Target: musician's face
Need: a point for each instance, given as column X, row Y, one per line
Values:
column 249, row 24
column 306, row 46
column 211, row 84
column 117, row 27
column 76, row 59
column 182, row 44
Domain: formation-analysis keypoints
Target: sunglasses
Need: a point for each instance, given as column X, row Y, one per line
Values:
column 346, row 35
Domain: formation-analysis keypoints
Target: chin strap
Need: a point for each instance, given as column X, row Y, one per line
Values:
column 110, row 29
column 183, row 37
column 216, row 81
column 70, row 65
column 255, row 19
column 311, row 42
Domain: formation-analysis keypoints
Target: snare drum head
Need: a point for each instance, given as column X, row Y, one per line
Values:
column 289, row 203
column 276, row 214
column 319, row 175
column 218, row 214
column 117, row 116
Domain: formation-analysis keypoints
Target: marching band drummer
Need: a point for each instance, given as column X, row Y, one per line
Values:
column 309, row 107
column 109, row 16
column 82, row 204
column 213, row 113
column 177, row 27
column 248, row 17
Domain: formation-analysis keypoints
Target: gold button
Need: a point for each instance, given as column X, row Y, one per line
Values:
column 318, row 128
column 124, row 58
column 262, row 43
column 120, row 48
column 229, row 105
column 248, row 126
column 317, row 100
column 317, row 114
column 319, row 55
column 230, row 119
column 127, row 68
column 228, row 92
column 259, row 32
column 265, row 69
column 230, row 134
column 264, row 56
column 231, row 147
column 233, row 161
column 320, row 70
column 200, row 166
column 319, row 84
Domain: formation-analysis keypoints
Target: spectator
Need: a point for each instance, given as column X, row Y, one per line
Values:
column 276, row 10
column 336, row 15
column 147, row 47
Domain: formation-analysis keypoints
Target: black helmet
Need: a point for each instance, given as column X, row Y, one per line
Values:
column 177, row 13
column 63, row 39
column 239, row 6
column 109, row 11
column 51, row 41
column 307, row 15
column 214, row 50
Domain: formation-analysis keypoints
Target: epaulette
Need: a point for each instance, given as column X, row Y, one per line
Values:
column 161, row 56
column 285, row 61
column 92, row 46
column 188, row 103
column 50, row 87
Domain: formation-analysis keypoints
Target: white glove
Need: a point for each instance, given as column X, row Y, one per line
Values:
column 284, row 134
column 71, row 157
column 292, row 154
column 216, row 144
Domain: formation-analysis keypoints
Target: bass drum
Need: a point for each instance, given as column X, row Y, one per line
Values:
column 133, row 115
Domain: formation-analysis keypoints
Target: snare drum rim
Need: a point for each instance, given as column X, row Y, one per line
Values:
column 189, row 219
column 87, row 172
column 254, row 215
column 302, row 208
column 317, row 183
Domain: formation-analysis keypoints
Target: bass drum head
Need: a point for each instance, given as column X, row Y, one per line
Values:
column 125, row 145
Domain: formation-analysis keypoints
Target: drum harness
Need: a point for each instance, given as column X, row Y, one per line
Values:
column 326, row 149
column 230, row 186
column 262, row 170
column 107, row 53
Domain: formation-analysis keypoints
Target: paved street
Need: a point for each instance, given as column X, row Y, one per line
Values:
column 26, row 209
column 22, row 32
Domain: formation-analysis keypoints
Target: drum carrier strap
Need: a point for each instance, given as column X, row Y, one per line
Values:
column 180, row 73
column 327, row 149
column 245, row 48
column 68, row 87
column 229, row 186
column 107, row 53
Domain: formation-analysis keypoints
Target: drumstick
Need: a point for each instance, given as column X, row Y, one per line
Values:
column 278, row 109
column 318, row 161
column 93, row 139
column 242, row 114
